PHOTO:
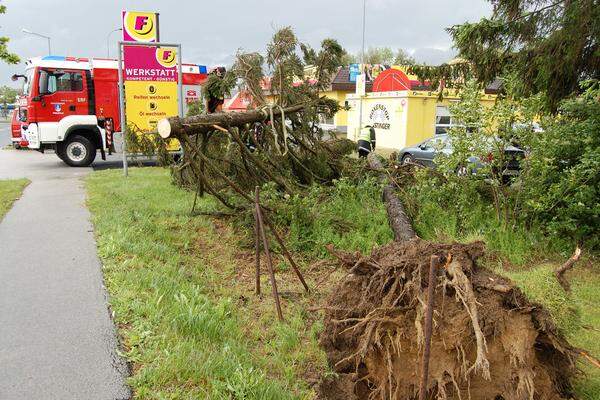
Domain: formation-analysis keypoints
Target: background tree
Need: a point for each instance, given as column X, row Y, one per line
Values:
column 8, row 94
column 378, row 55
column 403, row 58
column 551, row 45
column 348, row 58
column 384, row 55
column 5, row 55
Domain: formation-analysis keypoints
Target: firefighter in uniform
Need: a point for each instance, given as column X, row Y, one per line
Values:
column 366, row 141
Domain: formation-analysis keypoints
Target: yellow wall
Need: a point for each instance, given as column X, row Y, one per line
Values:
column 387, row 112
column 341, row 117
column 422, row 110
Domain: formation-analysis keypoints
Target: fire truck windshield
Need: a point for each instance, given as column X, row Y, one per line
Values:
column 60, row 81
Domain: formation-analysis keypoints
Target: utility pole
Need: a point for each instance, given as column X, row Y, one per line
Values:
column 362, row 70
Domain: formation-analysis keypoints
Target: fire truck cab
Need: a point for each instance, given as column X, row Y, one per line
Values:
column 71, row 105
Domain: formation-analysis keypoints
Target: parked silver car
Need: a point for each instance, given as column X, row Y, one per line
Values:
column 425, row 152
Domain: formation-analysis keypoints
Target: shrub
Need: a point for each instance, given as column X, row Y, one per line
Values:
column 562, row 189
column 350, row 215
column 557, row 191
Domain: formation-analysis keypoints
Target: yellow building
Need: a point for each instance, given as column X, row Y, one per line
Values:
column 339, row 122
column 403, row 118
column 403, row 110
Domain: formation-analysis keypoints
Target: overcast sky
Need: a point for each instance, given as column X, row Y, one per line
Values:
column 211, row 31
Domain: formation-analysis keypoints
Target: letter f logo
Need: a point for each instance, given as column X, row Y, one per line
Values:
column 140, row 22
column 139, row 27
column 166, row 56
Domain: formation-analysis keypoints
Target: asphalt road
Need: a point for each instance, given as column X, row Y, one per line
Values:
column 4, row 134
column 57, row 340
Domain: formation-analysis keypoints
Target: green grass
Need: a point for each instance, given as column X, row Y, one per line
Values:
column 182, row 287
column 586, row 297
column 10, row 190
column 349, row 216
column 516, row 244
column 183, row 299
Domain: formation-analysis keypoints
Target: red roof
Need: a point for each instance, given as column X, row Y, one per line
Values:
column 392, row 80
column 239, row 102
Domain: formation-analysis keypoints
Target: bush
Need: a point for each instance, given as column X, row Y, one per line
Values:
column 458, row 209
column 557, row 192
column 562, row 189
column 350, row 215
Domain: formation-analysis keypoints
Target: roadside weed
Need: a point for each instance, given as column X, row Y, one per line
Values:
column 10, row 190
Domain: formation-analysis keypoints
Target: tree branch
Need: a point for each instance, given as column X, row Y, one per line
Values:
column 559, row 272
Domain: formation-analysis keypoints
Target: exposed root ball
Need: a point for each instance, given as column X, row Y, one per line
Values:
column 488, row 342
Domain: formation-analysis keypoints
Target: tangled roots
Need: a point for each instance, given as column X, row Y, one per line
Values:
column 488, row 341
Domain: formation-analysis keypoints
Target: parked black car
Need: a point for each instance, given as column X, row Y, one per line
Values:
column 425, row 152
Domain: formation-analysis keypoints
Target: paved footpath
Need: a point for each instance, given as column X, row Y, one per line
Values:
column 57, row 340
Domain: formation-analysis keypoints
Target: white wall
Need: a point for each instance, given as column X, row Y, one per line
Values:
column 386, row 111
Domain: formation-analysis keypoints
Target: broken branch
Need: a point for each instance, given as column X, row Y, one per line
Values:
column 559, row 272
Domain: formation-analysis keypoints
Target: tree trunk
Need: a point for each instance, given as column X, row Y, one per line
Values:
column 399, row 221
column 198, row 124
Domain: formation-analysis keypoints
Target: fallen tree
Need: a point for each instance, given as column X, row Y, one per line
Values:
column 228, row 154
column 486, row 339
column 397, row 217
column 205, row 123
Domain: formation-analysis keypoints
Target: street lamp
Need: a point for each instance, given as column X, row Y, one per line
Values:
column 362, row 58
column 362, row 70
column 108, row 41
column 40, row 35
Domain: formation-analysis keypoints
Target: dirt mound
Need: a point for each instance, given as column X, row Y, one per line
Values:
column 488, row 341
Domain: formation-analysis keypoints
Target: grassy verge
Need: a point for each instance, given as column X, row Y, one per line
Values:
column 10, row 190
column 349, row 215
column 181, row 288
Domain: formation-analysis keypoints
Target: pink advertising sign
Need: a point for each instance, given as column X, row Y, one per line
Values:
column 156, row 64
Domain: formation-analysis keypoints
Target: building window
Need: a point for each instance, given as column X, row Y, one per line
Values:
column 325, row 120
column 443, row 120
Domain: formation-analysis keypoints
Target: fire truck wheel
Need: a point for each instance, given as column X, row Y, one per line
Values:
column 60, row 151
column 78, row 151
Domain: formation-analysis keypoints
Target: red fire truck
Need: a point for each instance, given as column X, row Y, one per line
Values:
column 71, row 105
column 15, row 130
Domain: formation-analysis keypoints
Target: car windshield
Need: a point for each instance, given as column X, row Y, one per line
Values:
column 437, row 142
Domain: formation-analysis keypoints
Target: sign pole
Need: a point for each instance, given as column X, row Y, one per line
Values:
column 180, row 80
column 122, row 107
column 158, row 27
